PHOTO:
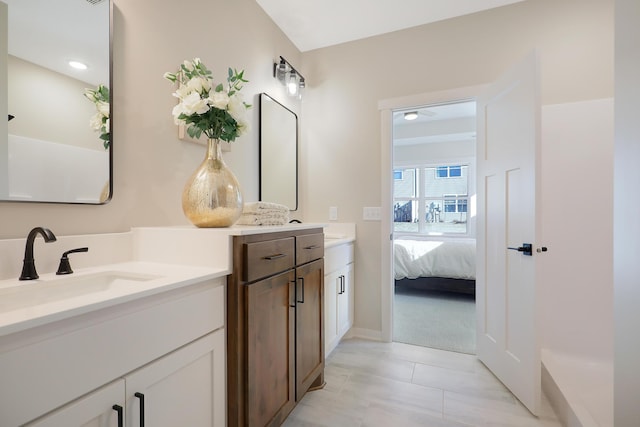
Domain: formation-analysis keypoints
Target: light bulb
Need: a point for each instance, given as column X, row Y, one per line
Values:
column 292, row 84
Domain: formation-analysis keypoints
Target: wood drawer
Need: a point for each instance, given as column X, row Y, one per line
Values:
column 309, row 247
column 263, row 259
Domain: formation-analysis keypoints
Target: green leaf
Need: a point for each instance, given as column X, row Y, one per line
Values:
column 219, row 88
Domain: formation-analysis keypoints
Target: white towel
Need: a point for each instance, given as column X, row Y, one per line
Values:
column 264, row 207
column 263, row 219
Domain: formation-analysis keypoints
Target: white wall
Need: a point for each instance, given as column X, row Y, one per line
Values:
column 577, row 226
column 342, row 125
column 626, row 231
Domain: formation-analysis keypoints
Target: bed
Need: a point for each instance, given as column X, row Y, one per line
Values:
column 443, row 265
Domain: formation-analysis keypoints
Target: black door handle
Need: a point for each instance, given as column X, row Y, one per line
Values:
column 526, row 249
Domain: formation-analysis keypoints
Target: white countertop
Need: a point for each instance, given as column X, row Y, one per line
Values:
column 147, row 279
column 124, row 267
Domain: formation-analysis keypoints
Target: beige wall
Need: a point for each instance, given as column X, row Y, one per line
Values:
column 150, row 163
column 342, row 122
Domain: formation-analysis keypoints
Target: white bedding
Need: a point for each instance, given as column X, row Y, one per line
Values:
column 428, row 258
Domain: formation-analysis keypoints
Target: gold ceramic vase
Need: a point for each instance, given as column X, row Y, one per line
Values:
column 212, row 196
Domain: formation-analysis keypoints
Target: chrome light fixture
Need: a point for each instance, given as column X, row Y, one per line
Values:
column 289, row 77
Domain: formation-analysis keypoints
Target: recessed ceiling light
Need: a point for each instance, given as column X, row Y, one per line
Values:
column 411, row 115
column 78, row 65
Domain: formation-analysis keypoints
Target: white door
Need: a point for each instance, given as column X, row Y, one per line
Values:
column 508, row 194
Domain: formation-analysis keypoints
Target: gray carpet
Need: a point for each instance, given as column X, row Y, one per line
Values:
column 442, row 320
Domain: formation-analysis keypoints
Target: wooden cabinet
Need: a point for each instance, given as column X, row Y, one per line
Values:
column 339, row 294
column 168, row 349
column 275, row 345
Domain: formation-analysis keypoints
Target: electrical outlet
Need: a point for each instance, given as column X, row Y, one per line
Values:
column 371, row 214
column 333, row 213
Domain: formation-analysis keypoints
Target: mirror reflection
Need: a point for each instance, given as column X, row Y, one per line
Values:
column 278, row 153
column 57, row 145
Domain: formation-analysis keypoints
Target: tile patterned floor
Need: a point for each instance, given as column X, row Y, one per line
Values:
column 373, row 384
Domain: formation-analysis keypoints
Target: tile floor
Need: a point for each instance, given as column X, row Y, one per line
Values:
column 373, row 384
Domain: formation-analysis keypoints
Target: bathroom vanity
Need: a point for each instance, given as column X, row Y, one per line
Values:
column 275, row 300
column 154, row 357
column 153, row 322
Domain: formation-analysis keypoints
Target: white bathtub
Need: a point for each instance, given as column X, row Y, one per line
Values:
column 580, row 390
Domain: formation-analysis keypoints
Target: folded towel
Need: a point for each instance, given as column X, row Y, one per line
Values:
column 260, row 207
column 263, row 219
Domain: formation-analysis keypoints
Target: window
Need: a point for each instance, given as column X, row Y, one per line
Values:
column 431, row 199
column 448, row 171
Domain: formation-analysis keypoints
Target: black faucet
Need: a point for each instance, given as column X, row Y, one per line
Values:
column 29, row 266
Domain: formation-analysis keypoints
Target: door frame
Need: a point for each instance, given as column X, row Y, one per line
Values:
column 386, row 108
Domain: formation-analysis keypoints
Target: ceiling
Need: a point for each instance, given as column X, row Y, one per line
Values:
column 313, row 24
column 448, row 122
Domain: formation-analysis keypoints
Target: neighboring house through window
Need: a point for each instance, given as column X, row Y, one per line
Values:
column 431, row 199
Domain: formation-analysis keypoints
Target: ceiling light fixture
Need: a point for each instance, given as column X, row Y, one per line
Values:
column 289, row 77
column 411, row 115
column 78, row 65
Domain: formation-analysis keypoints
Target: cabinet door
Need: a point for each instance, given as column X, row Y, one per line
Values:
column 332, row 283
column 309, row 326
column 94, row 410
column 184, row 388
column 270, row 307
column 345, row 300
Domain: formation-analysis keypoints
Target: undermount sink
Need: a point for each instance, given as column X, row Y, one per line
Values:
column 40, row 292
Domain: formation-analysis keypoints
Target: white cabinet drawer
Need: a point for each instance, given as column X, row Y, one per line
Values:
column 44, row 374
column 337, row 257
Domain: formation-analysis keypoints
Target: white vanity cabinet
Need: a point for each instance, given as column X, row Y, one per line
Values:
column 339, row 294
column 178, row 389
column 164, row 353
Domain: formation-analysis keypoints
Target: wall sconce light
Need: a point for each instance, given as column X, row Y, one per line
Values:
column 289, row 77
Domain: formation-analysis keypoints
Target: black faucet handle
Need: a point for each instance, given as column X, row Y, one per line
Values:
column 65, row 267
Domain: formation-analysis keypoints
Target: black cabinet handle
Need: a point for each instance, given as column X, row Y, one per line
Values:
column 120, row 412
column 341, row 291
column 301, row 279
column 141, row 397
column 295, row 294
column 312, row 247
column 275, row 256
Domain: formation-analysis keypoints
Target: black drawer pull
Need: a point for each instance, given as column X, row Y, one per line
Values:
column 120, row 412
column 275, row 256
column 141, row 397
column 312, row 247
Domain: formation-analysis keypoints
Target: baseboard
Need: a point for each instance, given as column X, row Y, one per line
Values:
column 368, row 334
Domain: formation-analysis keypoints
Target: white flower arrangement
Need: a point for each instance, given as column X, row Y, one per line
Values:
column 100, row 121
column 203, row 107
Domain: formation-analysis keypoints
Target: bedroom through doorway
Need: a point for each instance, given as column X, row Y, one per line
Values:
column 434, row 149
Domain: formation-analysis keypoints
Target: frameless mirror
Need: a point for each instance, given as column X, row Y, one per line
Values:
column 278, row 153
column 52, row 147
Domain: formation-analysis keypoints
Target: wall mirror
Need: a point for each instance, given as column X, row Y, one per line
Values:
column 50, row 147
column 278, row 153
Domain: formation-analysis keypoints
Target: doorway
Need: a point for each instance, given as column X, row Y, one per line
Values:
column 433, row 161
